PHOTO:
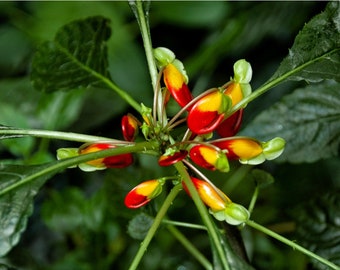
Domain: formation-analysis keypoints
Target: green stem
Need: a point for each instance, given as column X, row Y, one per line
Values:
column 291, row 244
column 205, row 216
column 58, row 166
column 123, row 94
column 190, row 247
column 253, row 200
column 145, row 32
column 273, row 82
column 50, row 134
column 185, row 224
column 158, row 219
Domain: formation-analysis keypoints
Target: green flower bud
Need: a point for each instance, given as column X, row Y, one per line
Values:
column 163, row 56
column 273, row 148
column 236, row 214
column 242, row 72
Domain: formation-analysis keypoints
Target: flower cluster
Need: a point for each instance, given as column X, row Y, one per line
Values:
column 210, row 140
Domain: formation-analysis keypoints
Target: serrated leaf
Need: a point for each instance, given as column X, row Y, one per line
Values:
column 76, row 58
column 318, row 227
column 16, row 205
column 315, row 54
column 309, row 121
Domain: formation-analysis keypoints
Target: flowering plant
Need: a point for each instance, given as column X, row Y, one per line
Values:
column 194, row 140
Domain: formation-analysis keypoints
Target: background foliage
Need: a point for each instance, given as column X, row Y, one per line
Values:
column 79, row 220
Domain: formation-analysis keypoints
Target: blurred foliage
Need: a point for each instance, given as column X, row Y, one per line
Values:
column 79, row 220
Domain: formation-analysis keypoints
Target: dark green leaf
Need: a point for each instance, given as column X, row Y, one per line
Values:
column 315, row 54
column 262, row 178
column 318, row 227
column 234, row 258
column 17, row 205
column 139, row 226
column 76, row 58
column 309, row 121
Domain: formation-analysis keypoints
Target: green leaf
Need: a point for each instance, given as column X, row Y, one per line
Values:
column 318, row 227
column 309, row 121
column 17, row 205
column 315, row 54
column 77, row 57
column 231, row 247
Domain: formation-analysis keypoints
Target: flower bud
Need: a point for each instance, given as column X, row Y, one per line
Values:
column 118, row 161
column 211, row 196
column 246, row 150
column 129, row 127
column 242, row 72
column 208, row 112
column 233, row 214
column 209, row 158
column 163, row 56
column 273, row 148
column 143, row 193
column 172, row 158
column 231, row 125
column 176, row 82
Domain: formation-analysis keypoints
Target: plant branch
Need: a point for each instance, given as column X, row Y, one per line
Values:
column 190, row 247
column 291, row 244
column 50, row 134
column 204, row 214
column 158, row 219
column 58, row 166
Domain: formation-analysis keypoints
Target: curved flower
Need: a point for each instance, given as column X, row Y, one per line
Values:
column 251, row 151
column 231, row 125
column 143, row 193
column 221, row 207
column 167, row 160
column 118, row 161
column 208, row 112
column 242, row 148
column 215, row 199
column 129, row 127
column 209, row 157
column 176, row 83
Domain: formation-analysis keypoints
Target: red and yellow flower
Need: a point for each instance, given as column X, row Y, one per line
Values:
column 130, row 126
column 169, row 159
column 118, row 161
column 176, row 83
column 209, row 157
column 208, row 112
column 214, row 198
column 143, row 193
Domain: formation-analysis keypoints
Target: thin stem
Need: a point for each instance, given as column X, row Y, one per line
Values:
column 158, row 219
column 50, row 134
column 253, row 199
column 291, row 244
column 52, row 168
column 204, row 214
column 184, row 224
column 190, row 247
column 271, row 83
column 144, row 29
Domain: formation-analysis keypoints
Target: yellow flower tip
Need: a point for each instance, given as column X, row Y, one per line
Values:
column 173, row 78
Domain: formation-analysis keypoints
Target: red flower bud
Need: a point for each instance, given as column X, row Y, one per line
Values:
column 208, row 112
column 129, row 127
column 209, row 157
column 118, row 161
column 143, row 193
column 231, row 125
column 211, row 196
column 176, row 84
column 167, row 160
